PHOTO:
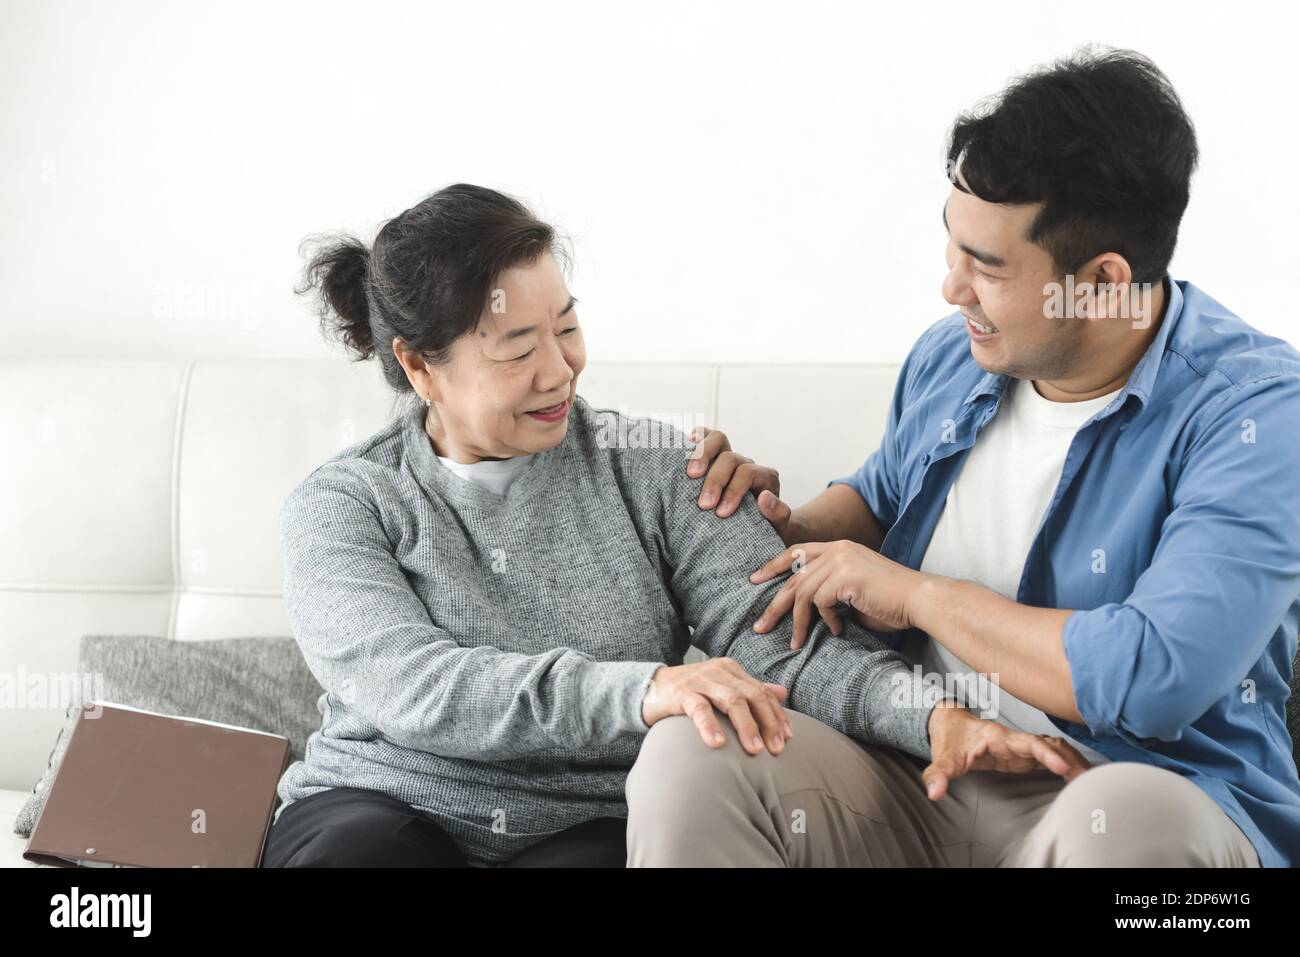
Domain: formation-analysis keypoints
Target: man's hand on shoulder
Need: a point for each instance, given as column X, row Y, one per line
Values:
column 729, row 477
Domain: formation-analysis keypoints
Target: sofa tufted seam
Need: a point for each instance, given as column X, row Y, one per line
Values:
column 145, row 588
column 181, row 404
column 717, row 392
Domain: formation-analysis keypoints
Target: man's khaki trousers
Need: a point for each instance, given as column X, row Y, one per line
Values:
column 828, row 801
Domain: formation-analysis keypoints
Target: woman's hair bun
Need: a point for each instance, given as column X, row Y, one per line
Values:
column 339, row 273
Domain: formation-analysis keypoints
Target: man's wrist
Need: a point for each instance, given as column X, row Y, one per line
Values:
column 928, row 602
column 797, row 530
column 942, row 713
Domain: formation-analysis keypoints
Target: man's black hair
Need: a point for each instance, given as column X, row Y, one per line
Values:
column 1101, row 138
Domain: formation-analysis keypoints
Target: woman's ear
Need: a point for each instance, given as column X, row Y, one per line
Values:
column 417, row 370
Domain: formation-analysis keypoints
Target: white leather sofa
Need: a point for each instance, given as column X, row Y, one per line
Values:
column 142, row 497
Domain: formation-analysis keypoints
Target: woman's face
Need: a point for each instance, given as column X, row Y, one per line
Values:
column 507, row 388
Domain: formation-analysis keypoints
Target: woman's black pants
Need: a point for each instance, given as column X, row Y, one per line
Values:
column 351, row 827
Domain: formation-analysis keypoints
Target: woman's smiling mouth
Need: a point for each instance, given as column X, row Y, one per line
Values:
column 552, row 413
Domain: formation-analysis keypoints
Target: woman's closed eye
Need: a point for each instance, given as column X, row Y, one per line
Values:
column 562, row 332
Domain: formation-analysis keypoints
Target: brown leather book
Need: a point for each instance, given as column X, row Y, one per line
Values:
column 141, row 789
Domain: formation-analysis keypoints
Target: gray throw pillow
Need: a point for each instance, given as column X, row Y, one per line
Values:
column 260, row 683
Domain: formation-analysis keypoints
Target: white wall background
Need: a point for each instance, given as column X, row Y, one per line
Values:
column 742, row 181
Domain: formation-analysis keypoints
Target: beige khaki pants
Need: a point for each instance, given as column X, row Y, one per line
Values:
column 827, row 801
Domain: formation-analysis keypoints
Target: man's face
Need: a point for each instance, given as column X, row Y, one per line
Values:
column 996, row 278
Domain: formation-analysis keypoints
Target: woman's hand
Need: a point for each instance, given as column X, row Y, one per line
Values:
column 961, row 742
column 754, row 707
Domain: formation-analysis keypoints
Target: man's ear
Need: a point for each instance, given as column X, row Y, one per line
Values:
column 1104, row 282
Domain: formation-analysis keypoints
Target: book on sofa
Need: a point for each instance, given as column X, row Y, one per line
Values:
column 137, row 788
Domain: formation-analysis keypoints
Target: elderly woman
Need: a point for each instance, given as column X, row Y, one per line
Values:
column 495, row 589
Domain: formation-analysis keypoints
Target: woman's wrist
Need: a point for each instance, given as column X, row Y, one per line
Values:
column 649, row 700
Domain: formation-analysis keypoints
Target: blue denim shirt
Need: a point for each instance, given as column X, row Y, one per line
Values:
column 1174, row 533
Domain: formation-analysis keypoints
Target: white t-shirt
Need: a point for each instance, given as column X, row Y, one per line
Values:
column 495, row 475
column 991, row 516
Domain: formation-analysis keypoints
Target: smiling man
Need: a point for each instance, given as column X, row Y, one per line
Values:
column 1088, row 487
